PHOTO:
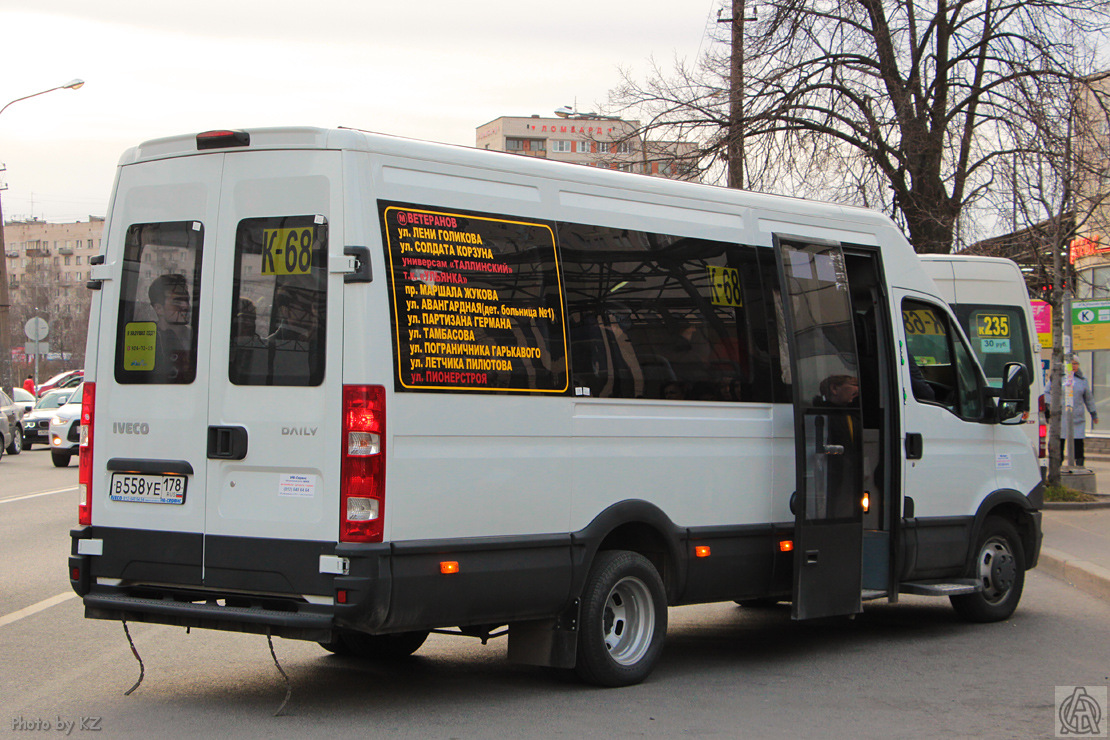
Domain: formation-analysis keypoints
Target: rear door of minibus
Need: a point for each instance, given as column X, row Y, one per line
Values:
column 273, row 448
column 221, row 464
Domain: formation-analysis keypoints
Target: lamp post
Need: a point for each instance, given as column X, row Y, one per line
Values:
column 5, row 332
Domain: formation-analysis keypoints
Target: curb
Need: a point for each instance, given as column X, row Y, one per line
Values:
column 1076, row 505
column 1084, row 575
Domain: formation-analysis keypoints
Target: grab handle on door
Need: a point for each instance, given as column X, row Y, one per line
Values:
column 227, row 443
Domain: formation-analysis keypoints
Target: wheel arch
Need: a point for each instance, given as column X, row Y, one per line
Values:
column 1016, row 508
column 640, row 527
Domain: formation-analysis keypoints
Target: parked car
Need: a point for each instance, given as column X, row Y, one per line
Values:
column 65, row 429
column 68, row 379
column 24, row 399
column 11, row 425
column 36, row 425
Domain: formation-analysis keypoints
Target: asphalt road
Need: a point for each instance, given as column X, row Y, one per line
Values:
column 905, row 670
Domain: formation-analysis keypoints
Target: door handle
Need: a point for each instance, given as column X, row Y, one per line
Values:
column 915, row 446
column 227, row 443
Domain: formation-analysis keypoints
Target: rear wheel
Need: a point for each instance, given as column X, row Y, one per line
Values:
column 61, row 459
column 16, row 445
column 1000, row 567
column 376, row 647
column 623, row 620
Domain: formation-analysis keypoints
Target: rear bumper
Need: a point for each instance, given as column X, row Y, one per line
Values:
column 270, row 586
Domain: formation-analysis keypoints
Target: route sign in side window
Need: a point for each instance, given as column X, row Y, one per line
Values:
column 279, row 301
column 156, row 332
column 475, row 299
column 945, row 362
column 665, row 317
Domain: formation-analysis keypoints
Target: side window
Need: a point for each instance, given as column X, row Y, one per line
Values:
column 279, row 301
column 156, row 330
column 659, row 316
column 942, row 369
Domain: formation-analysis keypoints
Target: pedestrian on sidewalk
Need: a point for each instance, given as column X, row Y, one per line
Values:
column 29, row 384
column 1082, row 398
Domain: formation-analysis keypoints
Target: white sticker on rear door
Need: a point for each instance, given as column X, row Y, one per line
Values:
column 293, row 484
column 1003, row 462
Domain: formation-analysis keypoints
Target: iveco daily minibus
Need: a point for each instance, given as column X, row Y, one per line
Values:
column 351, row 388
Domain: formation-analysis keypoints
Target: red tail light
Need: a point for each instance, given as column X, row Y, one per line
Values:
column 84, row 455
column 1043, row 451
column 362, row 488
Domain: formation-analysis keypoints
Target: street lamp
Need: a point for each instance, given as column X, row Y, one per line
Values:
column 71, row 85
column 4, row 303
column 5, row 333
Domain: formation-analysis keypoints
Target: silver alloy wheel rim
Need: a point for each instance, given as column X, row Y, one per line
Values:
column 997, row 569
column 628, row 621
column 17, row 441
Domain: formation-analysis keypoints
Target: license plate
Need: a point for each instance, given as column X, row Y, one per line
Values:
column 148, row 489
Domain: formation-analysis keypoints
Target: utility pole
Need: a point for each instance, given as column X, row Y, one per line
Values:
column 6, row 380
column 5, row 302
column 736, row 96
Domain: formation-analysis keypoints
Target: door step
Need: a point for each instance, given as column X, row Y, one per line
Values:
column 950, row 587
column 870, row 594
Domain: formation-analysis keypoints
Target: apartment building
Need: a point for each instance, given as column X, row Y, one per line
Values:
column 33, row 247
column 588, row 139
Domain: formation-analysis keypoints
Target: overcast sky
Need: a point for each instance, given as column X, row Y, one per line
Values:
column 430, row 69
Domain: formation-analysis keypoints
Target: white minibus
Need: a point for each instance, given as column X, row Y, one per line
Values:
column 351, row 388
column 991, row 301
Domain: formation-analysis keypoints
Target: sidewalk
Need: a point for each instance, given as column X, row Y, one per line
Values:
column 1076, row 544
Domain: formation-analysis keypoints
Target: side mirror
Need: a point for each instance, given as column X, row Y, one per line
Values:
column 1013, row 398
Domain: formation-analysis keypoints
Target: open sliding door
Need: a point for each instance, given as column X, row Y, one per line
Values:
column 827, row 427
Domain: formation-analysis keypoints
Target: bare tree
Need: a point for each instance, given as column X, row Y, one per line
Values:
column 1056, row 180
column 907, row 107
column 63, row 305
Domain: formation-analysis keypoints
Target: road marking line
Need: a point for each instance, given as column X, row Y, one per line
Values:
column 36, row 495
column 36, row 608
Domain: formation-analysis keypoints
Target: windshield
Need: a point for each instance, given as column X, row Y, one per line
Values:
column 52, row 400
column 998, row 335
column 56, row 378
column 75, row 397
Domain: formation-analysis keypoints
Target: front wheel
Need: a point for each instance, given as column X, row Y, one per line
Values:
column 623, row 620
column 1000, row 567
column 16, row 445
column 61, row 459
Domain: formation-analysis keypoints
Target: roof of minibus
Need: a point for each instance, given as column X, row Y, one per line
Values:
column 853, row 224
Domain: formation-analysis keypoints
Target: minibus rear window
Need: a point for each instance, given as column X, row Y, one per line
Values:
column 156, row 334
column 279, row 301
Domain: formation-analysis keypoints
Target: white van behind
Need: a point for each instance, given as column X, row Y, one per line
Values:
column 990, row 298
column 351, row 388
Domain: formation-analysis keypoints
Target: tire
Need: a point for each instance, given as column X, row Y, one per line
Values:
column 376, row 647
column 61, row 459
column 1000, row 566
column 623, row 620
column 16, row 445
